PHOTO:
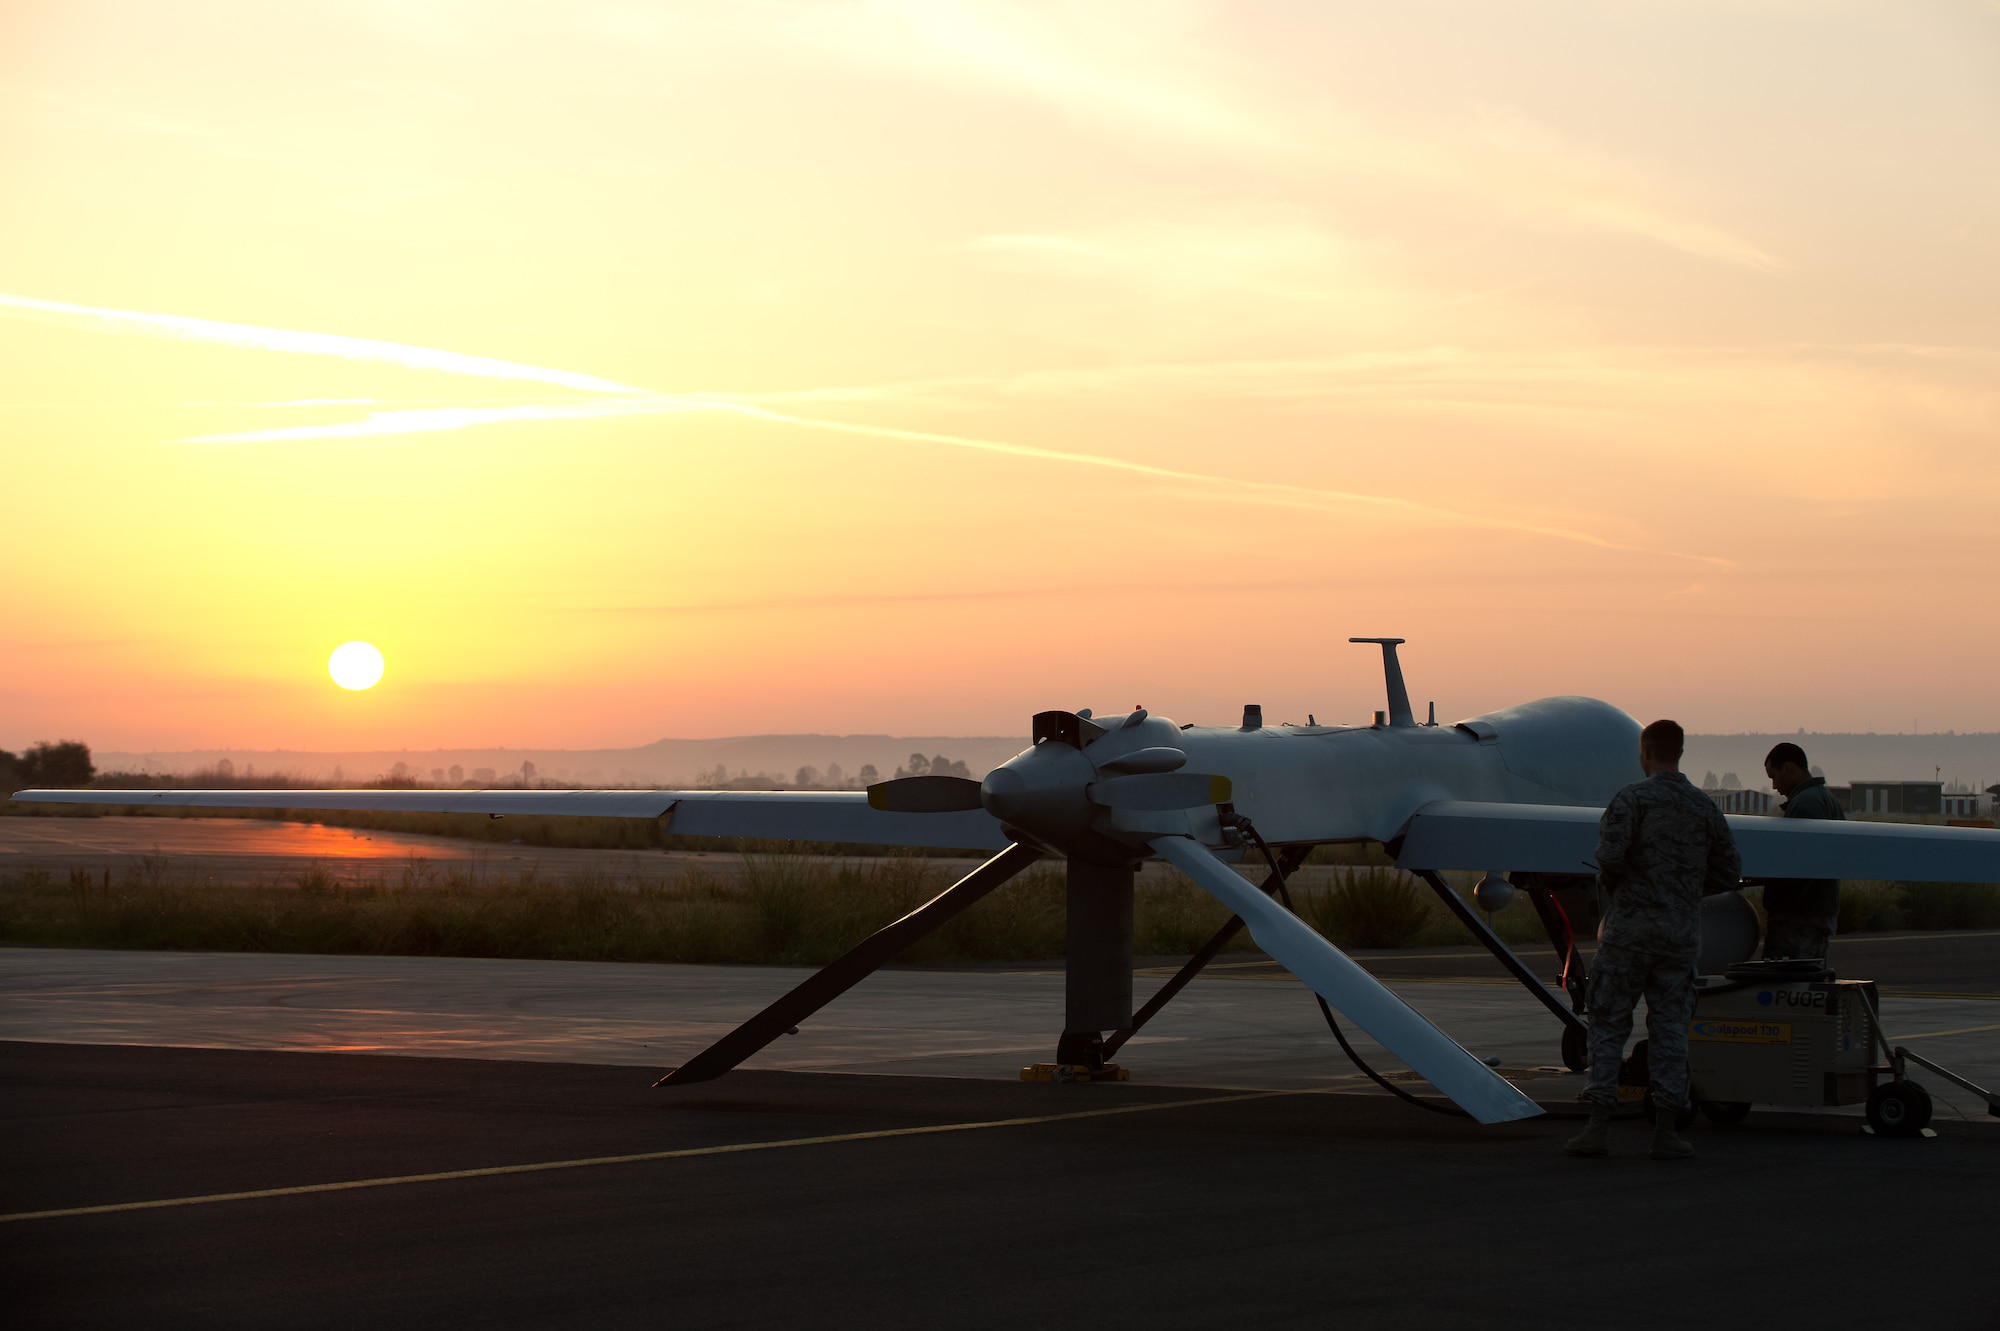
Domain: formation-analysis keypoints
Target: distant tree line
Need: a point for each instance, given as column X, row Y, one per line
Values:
column 938, row 766
column 67, row 763
column 834, row 777
column 64, row 763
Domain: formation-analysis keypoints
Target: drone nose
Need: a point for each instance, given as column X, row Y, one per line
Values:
column 1003, row 792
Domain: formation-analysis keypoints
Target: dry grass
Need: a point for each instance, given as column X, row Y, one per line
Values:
column 775, row 909
column 1868, row 907
column 780, row 909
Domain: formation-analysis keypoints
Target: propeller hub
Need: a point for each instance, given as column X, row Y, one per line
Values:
column 1004, row 793
column 1041, row 792
column 1086, row 791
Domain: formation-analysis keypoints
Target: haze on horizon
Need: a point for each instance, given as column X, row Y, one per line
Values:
column 909, row 367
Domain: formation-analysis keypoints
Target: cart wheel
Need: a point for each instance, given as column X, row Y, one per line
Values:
column 1683, row 1120
column 1576, row 1049
column 1899, row 1109
column 1725, row 1112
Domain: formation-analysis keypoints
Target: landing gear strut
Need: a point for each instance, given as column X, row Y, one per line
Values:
column 1575, row 1047
column 1097, row 967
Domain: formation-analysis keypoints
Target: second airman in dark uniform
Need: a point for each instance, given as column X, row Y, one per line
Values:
column 1801, row 915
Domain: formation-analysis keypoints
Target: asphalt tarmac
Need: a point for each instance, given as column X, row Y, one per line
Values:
column 533, row 1177
column 1242, row 1024
column 781, row 1199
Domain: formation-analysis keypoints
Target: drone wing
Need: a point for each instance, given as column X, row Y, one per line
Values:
column 1548, row 838
column 836, row 816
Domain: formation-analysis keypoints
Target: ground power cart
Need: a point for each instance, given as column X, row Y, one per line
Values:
column 1793, row 1036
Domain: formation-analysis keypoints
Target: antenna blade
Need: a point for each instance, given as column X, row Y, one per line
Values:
column 1400, row 712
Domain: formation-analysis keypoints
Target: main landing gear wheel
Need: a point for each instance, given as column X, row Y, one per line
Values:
column 1724, row 1113
column 1683, row 1118
column 1899, row 1109
column 1576, row 1049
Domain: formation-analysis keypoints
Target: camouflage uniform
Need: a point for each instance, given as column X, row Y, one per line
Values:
column 1801, row 914
column 1661, row 846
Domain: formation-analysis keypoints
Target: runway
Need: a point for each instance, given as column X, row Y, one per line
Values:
column 1246, row 1026
column 559, row 1194
column 202, row 1139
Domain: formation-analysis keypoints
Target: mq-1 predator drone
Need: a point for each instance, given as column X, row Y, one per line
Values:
column 1514, row 793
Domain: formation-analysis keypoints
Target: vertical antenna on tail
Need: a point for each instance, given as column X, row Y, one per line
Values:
column 1392, row 669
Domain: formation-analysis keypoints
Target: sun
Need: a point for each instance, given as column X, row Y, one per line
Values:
column 355, row 665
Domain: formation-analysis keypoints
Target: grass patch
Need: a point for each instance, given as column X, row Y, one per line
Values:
column 781, row 909
column 785, row 909
column 1375, row 906
column 1871, row 907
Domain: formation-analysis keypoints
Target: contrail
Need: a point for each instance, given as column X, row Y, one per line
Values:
column 1297, row 496
column 180, row 327
column 632, row 401
column 433, row 420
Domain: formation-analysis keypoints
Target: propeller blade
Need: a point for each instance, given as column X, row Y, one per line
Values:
column 836, row 979
column 924, row 794
column 1160, row 792
column 1398, row 1027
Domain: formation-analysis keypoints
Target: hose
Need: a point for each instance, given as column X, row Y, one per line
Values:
column 1244, row 826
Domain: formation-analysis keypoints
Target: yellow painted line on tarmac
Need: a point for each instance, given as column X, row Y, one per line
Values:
column 1932, row 1035
column 687, row 1153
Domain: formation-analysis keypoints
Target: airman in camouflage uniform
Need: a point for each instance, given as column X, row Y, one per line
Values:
column 1662, row 846
column 1801, row 915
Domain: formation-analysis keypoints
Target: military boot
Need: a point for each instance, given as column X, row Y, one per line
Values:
column 1592, row 1140
column 1668, row 1144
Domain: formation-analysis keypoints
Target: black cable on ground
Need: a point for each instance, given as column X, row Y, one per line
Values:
column 1244, row 826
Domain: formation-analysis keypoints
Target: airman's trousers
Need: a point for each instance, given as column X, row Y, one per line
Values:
column 1618, row 976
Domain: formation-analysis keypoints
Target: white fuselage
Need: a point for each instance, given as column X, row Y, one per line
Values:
column 1350, row 783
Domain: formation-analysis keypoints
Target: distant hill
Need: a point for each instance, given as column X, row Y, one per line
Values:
column 679, row 763
column 1973, row 759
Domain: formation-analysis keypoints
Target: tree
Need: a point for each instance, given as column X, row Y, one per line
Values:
column 807, row 776
column 527, row 771
column 868, row 776
column 936, row 766
column 64, row 763
column 835, row 778
column 457, row 774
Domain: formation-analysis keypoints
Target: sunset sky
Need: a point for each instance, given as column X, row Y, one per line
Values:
column 626, row 370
